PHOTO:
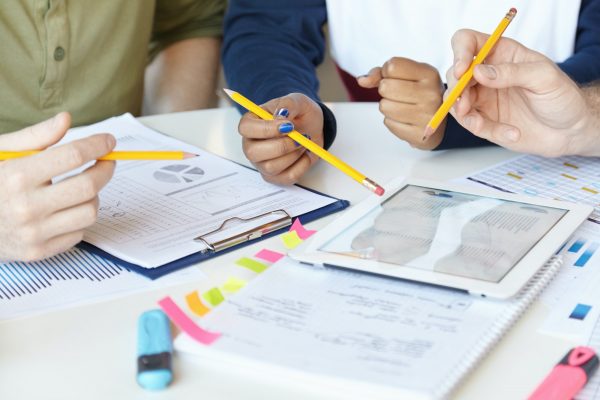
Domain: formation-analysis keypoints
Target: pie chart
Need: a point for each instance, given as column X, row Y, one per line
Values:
column 178, row 173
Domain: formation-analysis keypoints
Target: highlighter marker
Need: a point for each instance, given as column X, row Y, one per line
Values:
column 154, row 350
column 569, row 376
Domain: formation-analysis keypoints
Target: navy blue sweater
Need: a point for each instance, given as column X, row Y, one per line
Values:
column 272, row 48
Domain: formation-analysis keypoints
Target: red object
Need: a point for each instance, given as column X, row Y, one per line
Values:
column 379, row 191
column 356, row 92
column 569, row 376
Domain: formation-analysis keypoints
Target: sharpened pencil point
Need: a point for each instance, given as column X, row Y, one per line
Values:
column 189, row 155
column 229, row 92
column 428, row 132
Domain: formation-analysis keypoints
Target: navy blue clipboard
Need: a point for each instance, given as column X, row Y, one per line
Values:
column 154, row 273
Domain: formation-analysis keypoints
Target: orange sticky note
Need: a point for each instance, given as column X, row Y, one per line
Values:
column 195, row 304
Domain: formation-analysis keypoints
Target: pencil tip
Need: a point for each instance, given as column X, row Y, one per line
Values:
column 228, row 91
column 189, row 155
column 428, row 132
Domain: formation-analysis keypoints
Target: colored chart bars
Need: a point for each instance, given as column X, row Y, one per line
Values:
column 585, row 255
column 574, row 179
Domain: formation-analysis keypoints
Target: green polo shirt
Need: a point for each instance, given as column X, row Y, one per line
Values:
column 88, row 56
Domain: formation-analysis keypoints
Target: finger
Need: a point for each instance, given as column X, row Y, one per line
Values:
column 59, row 244
column 502, row 134
column 276, row 166
column 70, row 220
column 535, row 76
column 404, row 113
column 464, row 103
column 292, row 174
column 400, row 90
column 253, row 127
column 58, row 160
column 407, row 69
column 262, row 150
column 77, row 189
column 465, row 45
column 370, row 80
column 38, row 136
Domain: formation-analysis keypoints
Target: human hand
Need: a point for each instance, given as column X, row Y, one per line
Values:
column 39, row 219
column 412, row 93
column 520, row 100
column 278, row 158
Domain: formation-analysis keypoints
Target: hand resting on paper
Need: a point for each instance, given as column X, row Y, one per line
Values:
column 39, row 219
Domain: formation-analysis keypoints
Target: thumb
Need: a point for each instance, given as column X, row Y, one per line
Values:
column 39, row 136
column 370, row 80
column 536, row 76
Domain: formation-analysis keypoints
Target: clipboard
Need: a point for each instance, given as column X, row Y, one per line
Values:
column 247, row 234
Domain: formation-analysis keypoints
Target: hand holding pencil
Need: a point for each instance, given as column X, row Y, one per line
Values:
column 279, row 159
column 521, row 100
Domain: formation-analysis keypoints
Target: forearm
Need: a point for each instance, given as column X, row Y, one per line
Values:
column 183, row 77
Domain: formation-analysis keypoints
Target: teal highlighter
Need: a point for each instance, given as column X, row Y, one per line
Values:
column 154, row 350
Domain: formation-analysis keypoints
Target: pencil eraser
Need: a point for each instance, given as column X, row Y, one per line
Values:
column 379, row 191
column 155, row 347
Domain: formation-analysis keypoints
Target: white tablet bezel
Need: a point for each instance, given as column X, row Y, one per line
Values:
column 507, row 287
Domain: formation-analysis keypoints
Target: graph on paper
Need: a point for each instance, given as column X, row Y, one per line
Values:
column 68, row 279
column 574, row 179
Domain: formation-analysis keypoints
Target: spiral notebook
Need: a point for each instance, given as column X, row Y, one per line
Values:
column 358, row 335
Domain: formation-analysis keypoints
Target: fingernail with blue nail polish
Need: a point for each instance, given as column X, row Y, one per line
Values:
column 286, row 127
column 283, row 112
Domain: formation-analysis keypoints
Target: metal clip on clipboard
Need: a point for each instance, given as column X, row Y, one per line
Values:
column 236, row 230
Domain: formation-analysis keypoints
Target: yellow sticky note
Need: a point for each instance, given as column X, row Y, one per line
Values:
column 214, row 297
column 251, row 264
column 233, row 284
column 195, row 304
column 291, row 240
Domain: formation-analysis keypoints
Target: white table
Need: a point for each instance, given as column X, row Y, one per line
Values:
column 89, row 352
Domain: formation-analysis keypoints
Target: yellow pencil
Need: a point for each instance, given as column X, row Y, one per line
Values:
column 114, row 156
column 308, row 144
column 462, row 83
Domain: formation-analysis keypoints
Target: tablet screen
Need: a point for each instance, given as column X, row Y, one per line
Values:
column 449, row 232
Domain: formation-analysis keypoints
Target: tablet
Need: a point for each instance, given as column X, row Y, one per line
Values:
column 482, row 241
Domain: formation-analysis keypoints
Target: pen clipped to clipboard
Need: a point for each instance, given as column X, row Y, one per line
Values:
column 236, row 230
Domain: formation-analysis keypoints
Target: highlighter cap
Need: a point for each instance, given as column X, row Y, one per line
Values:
column 154, row 350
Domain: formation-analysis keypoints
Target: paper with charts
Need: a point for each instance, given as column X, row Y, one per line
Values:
column 574, row 179
column 572, row 298
column 387, row 333
column 152, row 210
column 70, row 279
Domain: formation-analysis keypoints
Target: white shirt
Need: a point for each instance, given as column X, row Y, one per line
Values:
column 365, row 34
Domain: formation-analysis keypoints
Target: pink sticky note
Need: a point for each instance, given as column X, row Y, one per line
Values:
column 269, row 256
column 302, row 232
column 184, row 322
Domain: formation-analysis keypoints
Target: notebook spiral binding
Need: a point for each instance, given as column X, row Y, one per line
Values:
column 501, row 326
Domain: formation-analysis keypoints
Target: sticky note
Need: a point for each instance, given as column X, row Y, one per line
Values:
column 214, row 297
column 251, row 264
column 185, row 323
column 291, row 240
column 302, row 232
column 269, row 255
column 195, row 304
column 233, row 284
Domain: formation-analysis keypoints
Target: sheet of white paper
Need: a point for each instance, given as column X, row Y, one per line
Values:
column 152, row 210
column 574, row 179
column 73, row 278
column 385, row 332
column 572, row 297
